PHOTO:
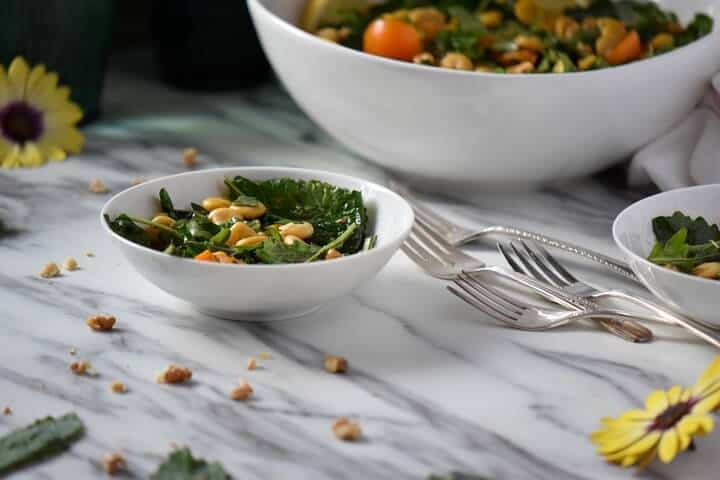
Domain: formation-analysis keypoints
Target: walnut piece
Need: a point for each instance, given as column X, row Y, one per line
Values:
column 7, row 411
column 346, row 430
column 113, row 463
column 335, row 364
column 138, row 181
column 174, row 374
column 72, row 351
column 116, row 386
column 97, row 186
column 264, row 356
column 242, row 391
column 251, row 363
column 190, row 157
column 50, row 270
column 80, row 367
column 101, row 322
column 70, row 264
column 88, row 253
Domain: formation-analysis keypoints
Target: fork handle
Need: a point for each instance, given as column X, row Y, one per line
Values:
column 627, row 329
column 612, row 264
column 698, row 329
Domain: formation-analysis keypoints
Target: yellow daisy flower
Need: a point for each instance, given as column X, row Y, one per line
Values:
column 37, row 119
column 665, row 427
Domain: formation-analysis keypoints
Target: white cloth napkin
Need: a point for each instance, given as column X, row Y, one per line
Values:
column 687, row 155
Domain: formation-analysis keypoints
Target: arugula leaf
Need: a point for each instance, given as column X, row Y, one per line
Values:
column 181, row 465
column 275, row 251
column 698, row 230
column 701, row 25
column 41, row 439
column 126, row 227
column 166, row 205
column 311, row 201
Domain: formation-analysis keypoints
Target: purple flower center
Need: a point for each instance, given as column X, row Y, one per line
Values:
column 20, row 122
column 671, row 416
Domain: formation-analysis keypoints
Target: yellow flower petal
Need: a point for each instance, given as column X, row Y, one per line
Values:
column 674, row 394
column 710, row 375
column 669, row 446
column 41, row 92
column 656, row 402
column 36, row 74
column 30, row 155
column 621, row 442
column 637, row 448
column 645, row 460
column 707, row 404
column 65, row 115
column 12, row 158
column 52, row 152
column 18, row 75
column 696, row 424
column 4, row 87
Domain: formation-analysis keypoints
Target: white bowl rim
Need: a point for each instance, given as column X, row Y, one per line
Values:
column 288, row 171
column 645, row 261
column 296, row 30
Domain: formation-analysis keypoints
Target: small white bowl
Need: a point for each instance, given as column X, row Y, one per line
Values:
column 258, row 292
column 688, row 295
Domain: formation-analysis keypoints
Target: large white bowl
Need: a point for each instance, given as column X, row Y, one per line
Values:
column 497, row 130
column 695, row 297
column 258, row 292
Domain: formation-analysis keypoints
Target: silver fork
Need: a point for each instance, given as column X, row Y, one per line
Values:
column 431, row 253
column 536, row 262
column 517, row 314
column 455, row 235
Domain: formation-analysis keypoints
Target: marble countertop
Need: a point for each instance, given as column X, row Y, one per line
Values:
column 435, row 385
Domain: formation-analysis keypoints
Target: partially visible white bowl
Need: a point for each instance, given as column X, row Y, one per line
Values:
column 688, row 295
column 496, row 130
column 258, row 292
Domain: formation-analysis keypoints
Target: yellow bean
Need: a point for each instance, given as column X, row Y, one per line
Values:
column 301, row 230
column 239, row 231
column 211, row 203
column 251, row 241
column 164, row 220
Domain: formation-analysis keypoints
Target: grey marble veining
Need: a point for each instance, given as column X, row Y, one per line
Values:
column 435, row 385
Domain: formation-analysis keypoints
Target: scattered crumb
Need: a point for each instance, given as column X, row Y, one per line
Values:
column 101, row 322
column 251, row 363
column 242, row 392
column 70, row 264
column 335, row 364
column 88, row 253
column 174, row 374
column 50, row 270
column 346, row 430
column 97, row 186
column 116, row 386
column 138, row 180
column 72, row 351
column 113, row 463
column 7, row 411
column 80, row 368
column 190, row 157
column 264, row 356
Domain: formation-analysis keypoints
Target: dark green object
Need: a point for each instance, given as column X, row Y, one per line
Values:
column 181, row 465
column 684, row 242
column 329, row 208
column 338, row 216
column 71, row 38
column 207, row 45
column 39, row 440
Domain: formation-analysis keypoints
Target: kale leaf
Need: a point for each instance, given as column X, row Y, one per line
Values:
column 124, row 226
column 41, row 439
column 181, row 465
column 275, row 251
column 330, row 209
column 166, row 205
column 698, row 230
column 701, row 25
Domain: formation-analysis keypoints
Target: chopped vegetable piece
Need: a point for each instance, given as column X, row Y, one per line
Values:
column 181, row 465
column 43, row 438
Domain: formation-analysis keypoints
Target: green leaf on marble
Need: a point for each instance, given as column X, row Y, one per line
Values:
column 181, row 465
column 43, row 438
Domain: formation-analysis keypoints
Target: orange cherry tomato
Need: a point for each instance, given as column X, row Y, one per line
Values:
column 391, row 38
